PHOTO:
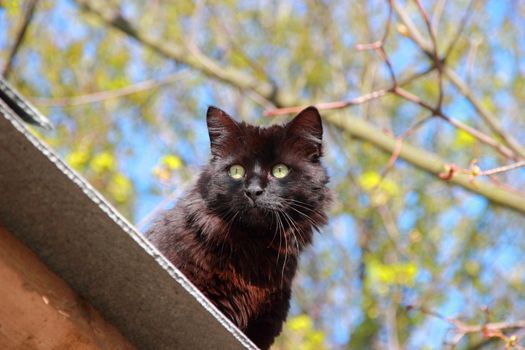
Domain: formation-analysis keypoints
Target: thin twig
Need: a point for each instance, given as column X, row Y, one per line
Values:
column 490, row 120
column 348, row 103
column 426, row 19
column 28, row 17
column 502, row 149
column 437, row 13
column 110, row 94
column 379, row 46
column 330, row 105
column 379, row 43
column 461, row 27
column 435, row 54
column 503, row 169
column 486, row 329
column 412, row 31
column 474, row 169
column 399, row 143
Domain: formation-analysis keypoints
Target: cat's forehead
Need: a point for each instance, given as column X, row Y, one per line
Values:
column 261, row 142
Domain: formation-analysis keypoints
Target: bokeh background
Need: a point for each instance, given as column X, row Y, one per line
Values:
column 406, row 255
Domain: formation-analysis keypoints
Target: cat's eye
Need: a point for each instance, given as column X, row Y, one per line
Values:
column 280, row 170
column 236, row 172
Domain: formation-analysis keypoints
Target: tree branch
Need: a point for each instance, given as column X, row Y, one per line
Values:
column 491, row 120
column 412, row 31
column 360, row 129
column 494, row 331
column 424, row 160
column 184, row 55
column 352, row 102
column 502, row 149
column 427, row 48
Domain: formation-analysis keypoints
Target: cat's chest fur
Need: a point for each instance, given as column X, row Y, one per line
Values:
column 243, row 292
column 242, row 279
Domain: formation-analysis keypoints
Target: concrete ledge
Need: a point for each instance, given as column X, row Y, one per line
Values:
column 83, row 239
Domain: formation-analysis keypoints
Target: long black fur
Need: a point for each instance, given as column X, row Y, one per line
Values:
column 241, row 246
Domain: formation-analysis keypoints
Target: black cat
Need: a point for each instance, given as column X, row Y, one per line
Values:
column 238, row 232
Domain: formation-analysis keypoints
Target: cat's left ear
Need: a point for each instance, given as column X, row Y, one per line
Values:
column 223, row 131
column 305, row 132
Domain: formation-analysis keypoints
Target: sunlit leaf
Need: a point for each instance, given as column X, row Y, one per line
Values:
column 381, row 276
column 172, row 162
column 104, row 161
column 120, row 188
column 464, row 139
column 79, row 158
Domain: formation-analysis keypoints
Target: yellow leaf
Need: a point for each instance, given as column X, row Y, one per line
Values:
column 120, row 188
column 369, row 180
column 463, row 139
column 78, row 158
column 13, row 7
column 316, row 338
column 382, row 276
column 380, row 188
column 172, row 162
column 300, row 323
column 104, row 161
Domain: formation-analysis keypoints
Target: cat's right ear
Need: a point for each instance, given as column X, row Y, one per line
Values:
column 223, row 131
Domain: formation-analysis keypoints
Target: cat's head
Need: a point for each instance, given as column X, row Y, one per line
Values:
column 266, row 177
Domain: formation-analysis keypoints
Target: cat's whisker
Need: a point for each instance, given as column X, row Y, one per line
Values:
column 306, row 217
column 275, row 231
column 294, row 228
column 300, row 203
column 303, row 205
column 285, row 238
column 279, row 229
column 299, row 210
column 283, row 234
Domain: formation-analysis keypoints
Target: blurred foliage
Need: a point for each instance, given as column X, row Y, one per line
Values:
column 401, row 239
column 301, row 334
column 381, row 276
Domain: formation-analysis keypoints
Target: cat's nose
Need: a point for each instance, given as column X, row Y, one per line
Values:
column 253, row 191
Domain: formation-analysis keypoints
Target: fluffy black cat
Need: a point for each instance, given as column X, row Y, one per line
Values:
column 238, row 232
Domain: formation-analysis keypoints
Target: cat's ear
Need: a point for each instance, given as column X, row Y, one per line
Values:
column 223, row 130
column 305, row 132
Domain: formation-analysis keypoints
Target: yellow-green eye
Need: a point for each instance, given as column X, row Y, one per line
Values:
column 236, row 172
column 280, row 170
